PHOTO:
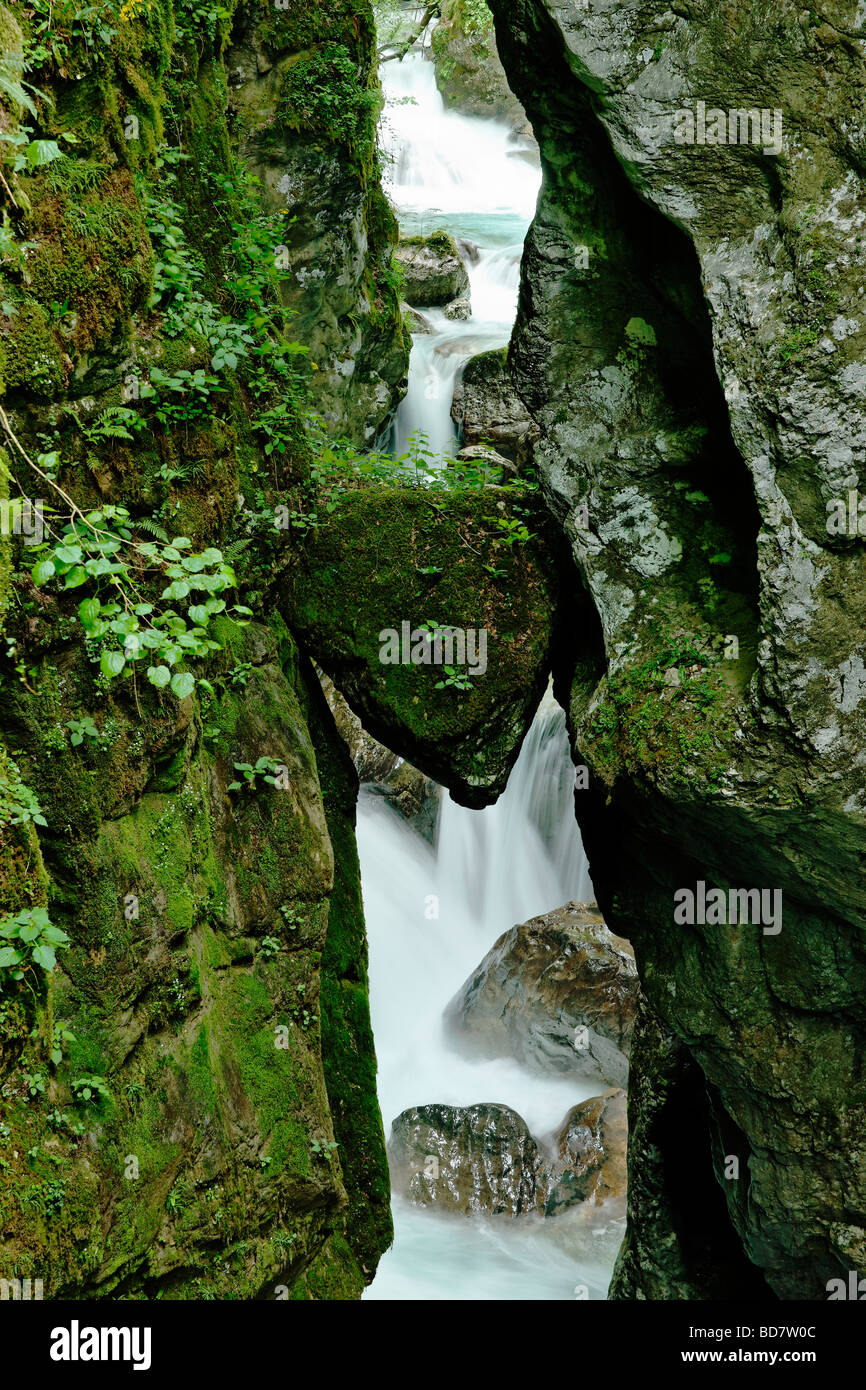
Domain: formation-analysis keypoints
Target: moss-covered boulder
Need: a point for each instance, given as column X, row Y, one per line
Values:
column 469, row 73
column 389, row 564
column 433, row 270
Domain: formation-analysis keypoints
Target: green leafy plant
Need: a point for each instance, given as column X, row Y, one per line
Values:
column 90, row 1089
column 323, row 1149
column 32, row 941
column 265, row 768
column 270, row 946
column 454, row 678
column 80, row 729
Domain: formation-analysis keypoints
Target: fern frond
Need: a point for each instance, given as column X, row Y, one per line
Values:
column 153, row 528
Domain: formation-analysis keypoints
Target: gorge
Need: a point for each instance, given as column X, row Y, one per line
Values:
column 611, row 442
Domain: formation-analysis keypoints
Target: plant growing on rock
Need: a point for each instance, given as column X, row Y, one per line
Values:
column 32, row 940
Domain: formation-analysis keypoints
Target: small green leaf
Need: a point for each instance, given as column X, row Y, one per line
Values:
column 158, row 675
column 183, row 684
column 88, row 611
column 111, row 664
column 43, row 571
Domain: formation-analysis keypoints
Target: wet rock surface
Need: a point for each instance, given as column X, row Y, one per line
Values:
column 482, row 1160
column 433, row 270
column 558, row 993
column 487, row 409
column 690, row 344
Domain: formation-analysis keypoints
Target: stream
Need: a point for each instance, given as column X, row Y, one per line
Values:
column 489, row 869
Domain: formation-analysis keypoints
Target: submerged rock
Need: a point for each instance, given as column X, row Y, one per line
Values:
column 591, row 1143
column 558, row 993
column 486, row 407
column 459, row 309
column 477, row 1159
column 482, row 1160
column 433, row 271
column 415, row 321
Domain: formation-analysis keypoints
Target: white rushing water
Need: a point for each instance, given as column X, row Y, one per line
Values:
column 433, row 914
column 444, row 169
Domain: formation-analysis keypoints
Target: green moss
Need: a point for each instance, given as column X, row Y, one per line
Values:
column 298, row 25
column 321, row 92
column 386, row 556
column 653, row 728
column 348, row 1049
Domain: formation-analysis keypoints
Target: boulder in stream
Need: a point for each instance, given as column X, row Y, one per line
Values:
column 487, row 408
column 433, row 270
column 471, row 1159
column 482, row 1160
column 591, row 1145
column 558, row 993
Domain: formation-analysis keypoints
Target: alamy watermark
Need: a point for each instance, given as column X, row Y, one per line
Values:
column 22, row 516
column 738, row 126
column 715, row 907
column 434, row 646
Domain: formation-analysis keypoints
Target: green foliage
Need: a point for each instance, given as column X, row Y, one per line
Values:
column 270, row 946
column 265, row 768
column 18, row 803
column 321, row 92
column 454, row 679
column 90, row 1089
column 664, row 715
column 323, row 1149
column 80, row 729
column 60, row 1034
column 129, row 617
column 31, row 940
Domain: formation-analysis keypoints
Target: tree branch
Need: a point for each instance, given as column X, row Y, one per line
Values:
column 399, row 50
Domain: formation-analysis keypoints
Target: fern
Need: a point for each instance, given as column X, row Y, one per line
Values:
column 237, row 548
column 146, row 523
column 12, row 90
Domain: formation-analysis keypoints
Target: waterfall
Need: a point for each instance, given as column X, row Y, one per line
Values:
column 433, row 913
column 490, row 869
column 444, row 169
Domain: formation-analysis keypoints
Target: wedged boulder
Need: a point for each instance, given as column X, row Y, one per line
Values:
column 433, row 270
column 391, row 558
column 473, row 1159
column 558, row 993
column 487, row 408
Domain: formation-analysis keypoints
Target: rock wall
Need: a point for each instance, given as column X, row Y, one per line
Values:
column 188, row 1098
column 689, row 344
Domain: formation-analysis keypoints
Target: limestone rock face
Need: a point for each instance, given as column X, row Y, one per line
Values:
column 340, row 231
column 487, row 408
column 415, row 797
column 690, row 344
column 557, row 992
column 469, row 73
column 433, row 270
